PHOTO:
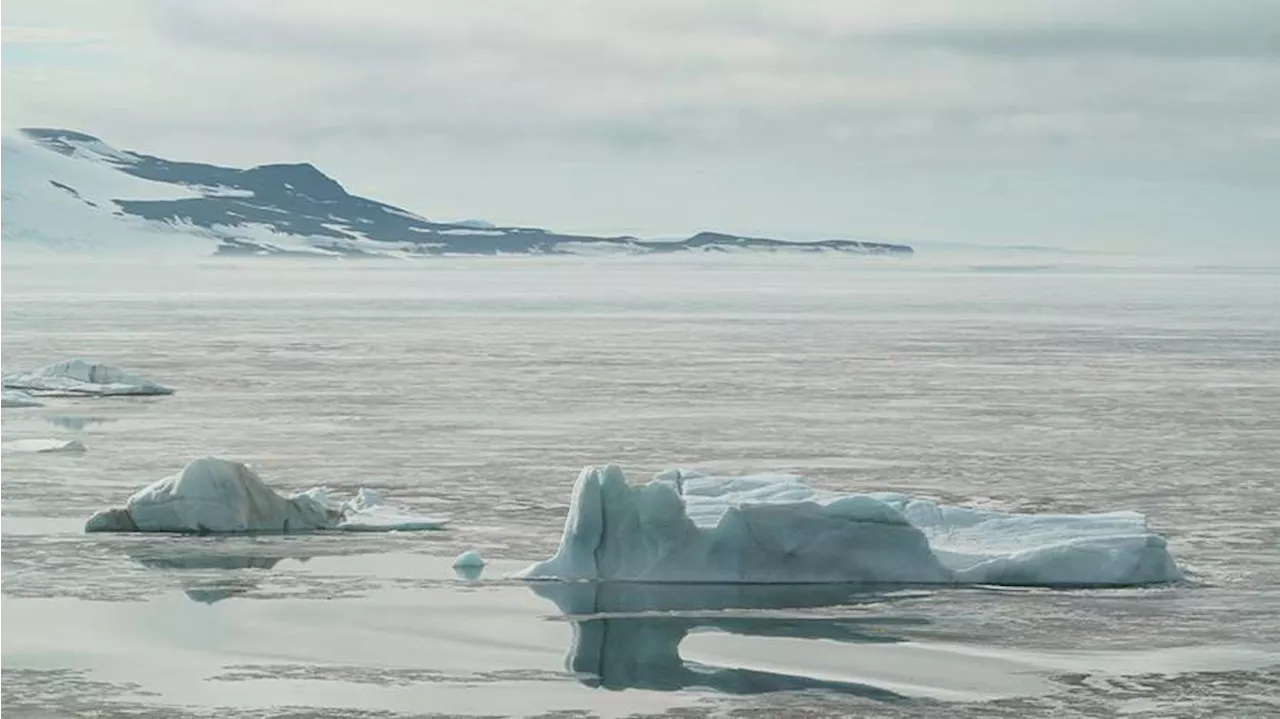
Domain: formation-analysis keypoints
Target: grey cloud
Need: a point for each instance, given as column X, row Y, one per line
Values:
column 1246, row 40
column 824, row 90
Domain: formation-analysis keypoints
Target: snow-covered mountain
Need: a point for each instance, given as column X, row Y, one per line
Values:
column 66, row 189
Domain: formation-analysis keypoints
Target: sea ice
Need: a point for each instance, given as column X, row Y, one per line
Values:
column 78, row 377
column 44, row 446
column 18, row 398
column 213, row 495
column 690, row 527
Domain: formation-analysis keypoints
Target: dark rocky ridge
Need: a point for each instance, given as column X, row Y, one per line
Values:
column 299, row 199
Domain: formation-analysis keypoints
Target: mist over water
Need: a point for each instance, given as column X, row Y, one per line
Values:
column 476, row 388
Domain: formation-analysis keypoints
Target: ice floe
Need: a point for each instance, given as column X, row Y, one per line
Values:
column 691, row 527
column 18, row 398
column 79, row 377
column 212, row 495
column 45, row 446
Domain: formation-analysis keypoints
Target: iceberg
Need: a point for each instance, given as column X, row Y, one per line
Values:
column 17, row 398
column 46, row 446
column 79, row 377
column 213, row 495
column 469, row 559
column 686, row 526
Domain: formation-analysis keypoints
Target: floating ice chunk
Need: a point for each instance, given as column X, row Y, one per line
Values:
column 747, row 529
column 468, row 560
column 18, row 398
column 78, row 377
column 690, row 527
column 367, row 513
column 218, row 495
column 45, row 446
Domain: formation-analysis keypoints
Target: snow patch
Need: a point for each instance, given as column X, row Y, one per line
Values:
column 98, row 151
column 686, row 526
column 403, row 213
column 472, row 232
column 53, row 202
column 224, row 191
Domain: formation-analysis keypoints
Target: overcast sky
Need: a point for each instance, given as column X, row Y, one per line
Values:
column 1137, row 125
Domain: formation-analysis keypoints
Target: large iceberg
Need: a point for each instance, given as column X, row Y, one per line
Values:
column 212, row 495
column 78, row 377
column 691, row 527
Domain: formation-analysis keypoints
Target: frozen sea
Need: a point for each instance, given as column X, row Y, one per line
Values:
column 476, row 389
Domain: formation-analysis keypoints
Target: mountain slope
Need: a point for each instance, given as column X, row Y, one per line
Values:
column 56, row 203
column 296, row 208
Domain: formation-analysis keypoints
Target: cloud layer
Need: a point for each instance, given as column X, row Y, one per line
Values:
column 649, row 116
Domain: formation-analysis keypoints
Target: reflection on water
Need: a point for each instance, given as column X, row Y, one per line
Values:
column 628, row 635
column 76, row 423
column 206, row 588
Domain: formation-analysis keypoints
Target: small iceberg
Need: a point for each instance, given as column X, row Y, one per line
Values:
column 212, row 495
column 691, row 527
column 468, row 565
column 468, row 560
column 47, row 446
column 18, row 398
column 77, row 377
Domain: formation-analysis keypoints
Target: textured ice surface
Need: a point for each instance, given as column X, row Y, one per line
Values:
column 986, row 547
column 690, row 527
column 79, row 377
column 18, row 398
column 218, row 495
column 748, row 529
column 43, row 446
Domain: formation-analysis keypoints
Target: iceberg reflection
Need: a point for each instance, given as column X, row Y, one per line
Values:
column 627, row 635
column 202, row 586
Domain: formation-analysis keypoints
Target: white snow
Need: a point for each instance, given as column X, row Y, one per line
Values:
column 600, row 249
column 686, row 526
column 404, row 213
column 79, row 377
column 18, row 398
column 47, row 446
column 464, row 232
column 38, row 215
column 213, row 495
column 468, row 560
column 99, row 151
column 224, row 191
column 268, row 238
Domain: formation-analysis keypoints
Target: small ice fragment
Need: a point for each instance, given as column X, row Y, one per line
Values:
column 468, row 560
